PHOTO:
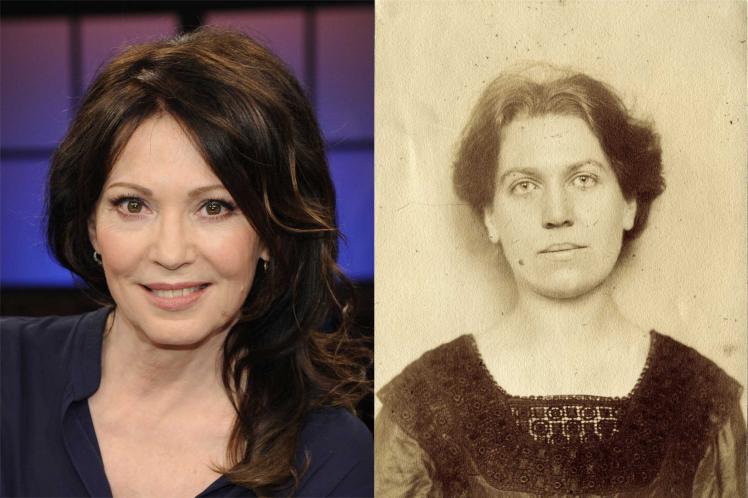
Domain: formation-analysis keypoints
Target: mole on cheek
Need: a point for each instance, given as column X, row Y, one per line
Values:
column 521, row 262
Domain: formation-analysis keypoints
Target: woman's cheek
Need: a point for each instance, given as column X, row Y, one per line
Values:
column 121, row 250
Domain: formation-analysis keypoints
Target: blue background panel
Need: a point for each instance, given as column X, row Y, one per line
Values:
column 282, row 31
column 35, row 78
column 46, row 62
column 345, row 73
column 25, row 259
column 103, row 37
column 353, row 174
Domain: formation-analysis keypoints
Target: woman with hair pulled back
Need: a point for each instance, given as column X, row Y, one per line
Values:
column 192, row 195
column 564, row 395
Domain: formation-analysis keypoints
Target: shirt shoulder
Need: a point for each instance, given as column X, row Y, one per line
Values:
column 45, row 363
column 428, row 373
column 36, row 339
column 340, row 453
column 48, row 332
column 39, row 353
column 696, row 379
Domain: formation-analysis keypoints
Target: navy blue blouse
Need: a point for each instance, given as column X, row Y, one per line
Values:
column 51, row 366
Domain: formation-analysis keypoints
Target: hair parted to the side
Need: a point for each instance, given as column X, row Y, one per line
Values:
column 292, row 350
column 631, row 145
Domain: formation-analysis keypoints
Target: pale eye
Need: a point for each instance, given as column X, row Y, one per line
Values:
column 523, row 187
column 585, row 181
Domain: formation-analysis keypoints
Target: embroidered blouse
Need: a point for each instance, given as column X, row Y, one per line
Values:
column 446, row 429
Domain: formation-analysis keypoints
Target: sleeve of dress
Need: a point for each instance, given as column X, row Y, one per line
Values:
column 722, row 470
column 402, row 467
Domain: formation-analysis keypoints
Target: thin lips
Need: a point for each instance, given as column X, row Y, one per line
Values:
column 178, row 286
column 561, row 247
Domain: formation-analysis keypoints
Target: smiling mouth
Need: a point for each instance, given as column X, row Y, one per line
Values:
column 175, row 297
column 178, row 292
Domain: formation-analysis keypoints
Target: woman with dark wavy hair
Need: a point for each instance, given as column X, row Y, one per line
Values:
column 564, row 396
column 192, row 195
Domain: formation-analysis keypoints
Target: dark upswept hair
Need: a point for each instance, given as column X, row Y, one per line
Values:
column 631, row 145
column 292, row 349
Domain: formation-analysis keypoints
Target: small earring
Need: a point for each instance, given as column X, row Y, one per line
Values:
column 265, row 265
column 97, row 258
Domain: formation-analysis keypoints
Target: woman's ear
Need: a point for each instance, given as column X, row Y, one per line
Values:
column 264, row 253
column 92, row 232
column 629, row 214
column 490, row 224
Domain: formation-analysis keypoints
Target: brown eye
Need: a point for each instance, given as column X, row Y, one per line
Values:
column 213, row 208
column 134, row 206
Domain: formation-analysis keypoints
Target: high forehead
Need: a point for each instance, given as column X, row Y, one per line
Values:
column 160, row 149
column 548, row 141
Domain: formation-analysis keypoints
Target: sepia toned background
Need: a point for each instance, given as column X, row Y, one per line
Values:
column 682, row 65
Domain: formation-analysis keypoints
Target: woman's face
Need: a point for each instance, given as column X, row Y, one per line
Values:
column 178, row 256
column 558, row 211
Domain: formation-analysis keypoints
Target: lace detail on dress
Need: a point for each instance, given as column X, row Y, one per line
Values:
column 467, row 424
column 566, row 423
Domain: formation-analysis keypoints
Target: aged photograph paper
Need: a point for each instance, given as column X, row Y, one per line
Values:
column 680, row 65
column 450, row 276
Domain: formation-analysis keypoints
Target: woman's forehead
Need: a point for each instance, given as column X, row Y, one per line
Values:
column 550, row 141
column 160, row 152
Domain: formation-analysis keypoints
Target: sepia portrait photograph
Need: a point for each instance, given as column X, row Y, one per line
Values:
column 560, row 249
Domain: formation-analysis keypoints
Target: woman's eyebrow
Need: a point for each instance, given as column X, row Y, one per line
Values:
column 519, row 171
column 132, row 186
column 535, row 172
column 588, row 162
column 201, row 190
column 146, row 191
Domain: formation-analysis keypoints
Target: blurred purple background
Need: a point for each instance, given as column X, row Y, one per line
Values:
column 51, row 51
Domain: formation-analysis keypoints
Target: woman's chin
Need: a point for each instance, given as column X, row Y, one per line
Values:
column 564, row 288
column 177, row 337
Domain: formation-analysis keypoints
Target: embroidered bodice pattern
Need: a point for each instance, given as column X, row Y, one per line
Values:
column 567, row 421
column 569, row 445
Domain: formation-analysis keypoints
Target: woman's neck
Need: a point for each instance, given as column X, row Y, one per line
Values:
column 135, row 368
column 587, row 320
column 565, row 346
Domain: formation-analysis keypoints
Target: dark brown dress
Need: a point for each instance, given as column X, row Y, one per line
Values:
column 446, row 429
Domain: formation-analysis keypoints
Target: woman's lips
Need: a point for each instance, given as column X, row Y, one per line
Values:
column 174, row 298
column 561, row 252
column 566, row 246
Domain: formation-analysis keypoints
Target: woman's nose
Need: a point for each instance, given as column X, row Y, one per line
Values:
column 557, row 209
column 172, row 245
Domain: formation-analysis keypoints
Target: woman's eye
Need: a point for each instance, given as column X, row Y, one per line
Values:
column 129, row 205
column 523, row 187
column 585, row 181
column 218, row 208
column 134, row 206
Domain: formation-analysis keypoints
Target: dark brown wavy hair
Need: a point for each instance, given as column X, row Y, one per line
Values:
column 631, row 145
column 291, row 350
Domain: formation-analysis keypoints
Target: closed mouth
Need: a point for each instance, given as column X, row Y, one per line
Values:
column 561, row 248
